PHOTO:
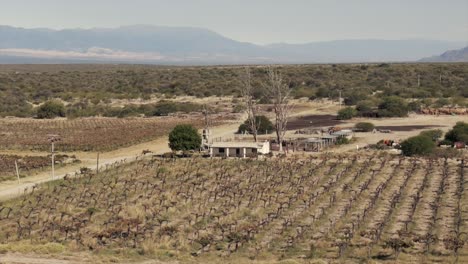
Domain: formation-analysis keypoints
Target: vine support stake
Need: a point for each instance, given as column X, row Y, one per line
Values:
column 17, row 172
column 97, row 164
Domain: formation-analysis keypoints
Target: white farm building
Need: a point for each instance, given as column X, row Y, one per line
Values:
column 239, row 149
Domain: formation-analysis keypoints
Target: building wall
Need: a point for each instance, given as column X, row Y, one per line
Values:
column 232, row 152
column 265, row 149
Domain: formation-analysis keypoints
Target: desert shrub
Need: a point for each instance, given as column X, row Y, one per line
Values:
column 346, row 113
column 303, row 92
column 418, row 145
column 364, row 126
column 322, row 92
column 128, row 111
column 238, row 108
column 342, row 141
column 51, row 109
column 393, row 106
column 366, row 108
column 414, row 106
column 184, row 137
column 354, row 98
column 72, row 83
column 458, row 133
column 441, row 102
column 265, row 126
column 165, row 108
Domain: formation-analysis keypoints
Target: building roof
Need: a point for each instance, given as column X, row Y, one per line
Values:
column 328, row 136
column 343, row 133
column 314, row 140
column 237, row 144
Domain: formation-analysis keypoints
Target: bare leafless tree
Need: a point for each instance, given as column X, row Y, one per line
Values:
column 279, row 93
column 251, row 108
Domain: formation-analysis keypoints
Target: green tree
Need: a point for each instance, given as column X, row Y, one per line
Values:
column 184, row 137
column 322, row 92
column 354, row 98
column 346, row 113
column 164, row 109
column 415, row 106
column 418, row 145
column 441, row 102
column 458, row 133
column 265, row 126
column 393, row 106
column 51, row 109
column 365, row 107
column 433, row 134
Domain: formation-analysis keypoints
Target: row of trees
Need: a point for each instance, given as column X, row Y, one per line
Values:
column 278, row 93
column 55, row 108
column 391, row 106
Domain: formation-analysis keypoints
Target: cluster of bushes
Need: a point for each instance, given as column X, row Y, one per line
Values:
column 426, row 142
column 51, row 109
column 459, row 133
column 357, row 83
column 54, row 108
column 418, row 145
column 390, row 106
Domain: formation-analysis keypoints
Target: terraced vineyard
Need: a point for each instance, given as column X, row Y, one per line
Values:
column 85, row 134
column 337, row 208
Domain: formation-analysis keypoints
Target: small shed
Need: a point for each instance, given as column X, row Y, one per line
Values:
column 239, row 149
column 314, row 144
column 346, row 133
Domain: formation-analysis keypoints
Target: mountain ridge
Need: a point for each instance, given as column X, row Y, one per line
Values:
column 162, row 44
column 460, row 55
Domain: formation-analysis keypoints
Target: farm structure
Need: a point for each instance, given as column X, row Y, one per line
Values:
column 345, row 133
column 314, row 144
column 239, row 149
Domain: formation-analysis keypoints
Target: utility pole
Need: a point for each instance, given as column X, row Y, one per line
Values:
column 17, row 171
column 52, row 140
column 340, row 99
column 419, row 80
column 97, row 164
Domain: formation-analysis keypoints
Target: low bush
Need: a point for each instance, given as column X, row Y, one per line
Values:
column 346, row 113
column 364, row 126
column 458, row 133
column 51, row 109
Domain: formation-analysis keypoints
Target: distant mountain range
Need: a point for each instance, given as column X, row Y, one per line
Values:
column 184, row 45
column 460, row 55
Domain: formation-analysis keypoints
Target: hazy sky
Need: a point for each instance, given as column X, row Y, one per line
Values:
column 257, row 21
